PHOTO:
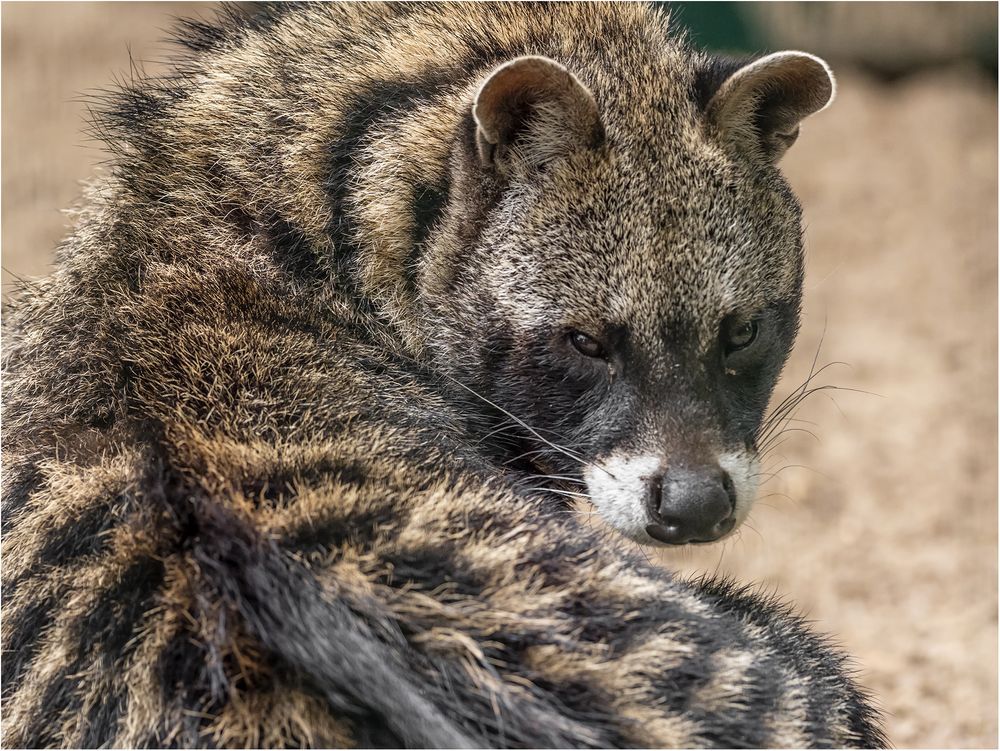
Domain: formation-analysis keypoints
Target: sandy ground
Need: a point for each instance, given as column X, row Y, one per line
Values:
column 883, row 528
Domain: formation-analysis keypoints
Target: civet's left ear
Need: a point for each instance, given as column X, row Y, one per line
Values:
column 757, row 109
column 531, row 110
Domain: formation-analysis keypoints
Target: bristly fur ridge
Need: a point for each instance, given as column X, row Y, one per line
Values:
column 244, row 503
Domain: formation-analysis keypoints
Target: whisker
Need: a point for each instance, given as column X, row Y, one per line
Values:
column 512, row 416
column 753, row 529
column 558, row 477
column 766, row 446
column 718, row 563
column 567, row 493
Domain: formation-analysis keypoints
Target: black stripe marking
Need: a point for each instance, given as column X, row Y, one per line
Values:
column 104, row 633
column 749, row 727
column 232, row 24
column 76, row 538
column 292, row 251
column 376, row 102
column 429, row 203
column 709, row 78
column 17, row 491
column 337, row 529
column 27, row 633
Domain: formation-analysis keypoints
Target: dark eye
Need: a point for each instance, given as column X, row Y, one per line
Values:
column 586, row 345
column 740, row 335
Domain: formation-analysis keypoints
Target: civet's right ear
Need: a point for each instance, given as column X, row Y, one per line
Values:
column 758, row 108
column 533, row 110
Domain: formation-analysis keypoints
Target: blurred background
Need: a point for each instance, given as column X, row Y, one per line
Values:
column 878, row 517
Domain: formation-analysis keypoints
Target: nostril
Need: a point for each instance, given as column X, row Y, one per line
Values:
column 654, row 495
column 729, row 487
column 723, row 527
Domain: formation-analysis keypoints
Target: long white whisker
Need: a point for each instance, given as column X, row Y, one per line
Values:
column 567, row 493
column 515, row 418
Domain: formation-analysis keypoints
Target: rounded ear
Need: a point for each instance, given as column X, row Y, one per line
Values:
column 758, row 108
column 534, row 110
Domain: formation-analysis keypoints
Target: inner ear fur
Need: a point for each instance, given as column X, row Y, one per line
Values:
column 534, row 110
column 758, row 108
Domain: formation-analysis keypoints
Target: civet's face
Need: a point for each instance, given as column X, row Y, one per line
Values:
column 636, row 299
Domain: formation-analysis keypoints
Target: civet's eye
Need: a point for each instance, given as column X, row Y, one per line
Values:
column 739, row 335
column 586, row 345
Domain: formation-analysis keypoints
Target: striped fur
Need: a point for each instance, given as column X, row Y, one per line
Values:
column 245, row 503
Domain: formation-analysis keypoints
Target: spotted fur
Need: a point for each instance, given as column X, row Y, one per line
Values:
column 250, row 498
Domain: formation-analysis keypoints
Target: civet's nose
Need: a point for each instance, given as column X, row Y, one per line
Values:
column 690, row 505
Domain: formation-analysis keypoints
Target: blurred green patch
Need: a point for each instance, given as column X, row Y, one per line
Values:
column 886, row 38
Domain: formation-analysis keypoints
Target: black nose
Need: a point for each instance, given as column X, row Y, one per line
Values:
column 690, row 505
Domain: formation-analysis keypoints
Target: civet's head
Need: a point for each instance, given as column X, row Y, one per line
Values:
column 627, row 273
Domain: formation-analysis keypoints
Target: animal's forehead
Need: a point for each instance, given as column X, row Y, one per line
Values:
column 613, row 242
column 654, row 217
